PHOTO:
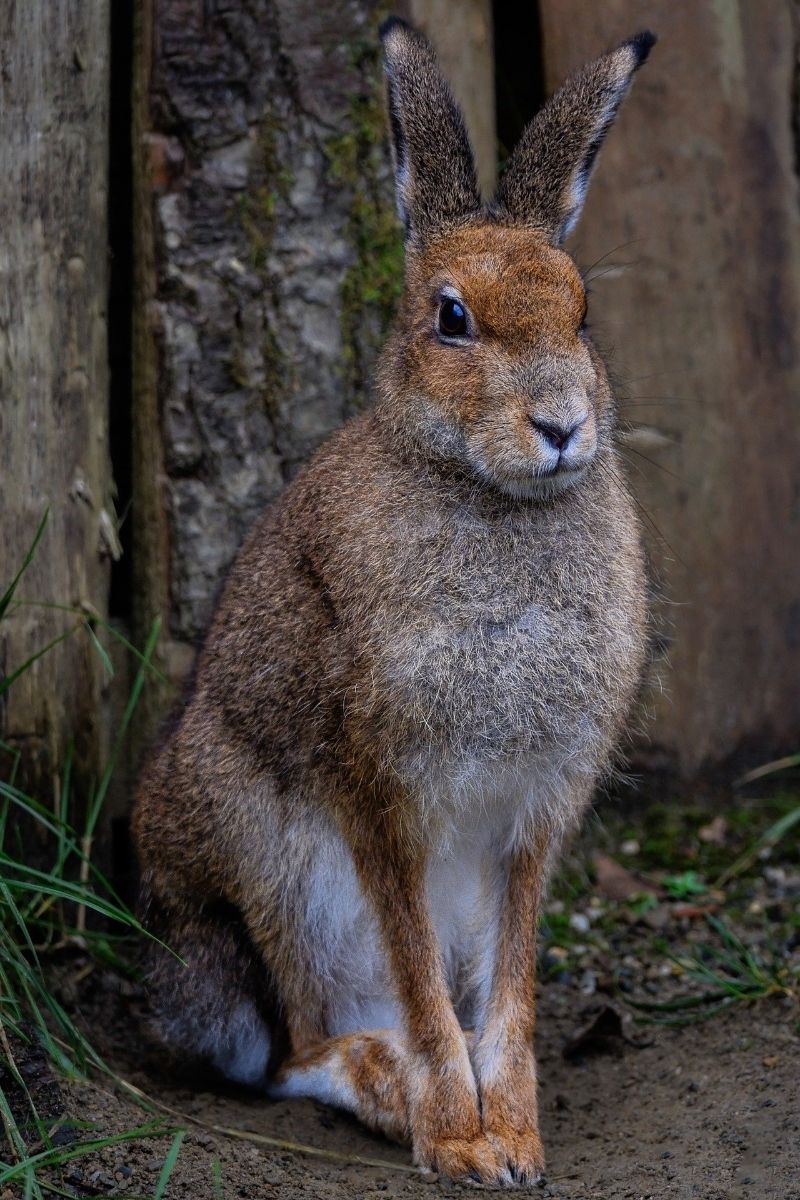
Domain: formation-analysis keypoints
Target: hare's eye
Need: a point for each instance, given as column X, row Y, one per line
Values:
column 452, row 318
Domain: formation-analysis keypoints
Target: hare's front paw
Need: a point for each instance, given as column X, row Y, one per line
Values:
column 519, row 1152
column 510, row 1120
column 461, row 1159
column 448, row 1137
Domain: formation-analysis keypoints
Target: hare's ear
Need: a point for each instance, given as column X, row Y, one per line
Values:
column 434, row 168
column 545, row 183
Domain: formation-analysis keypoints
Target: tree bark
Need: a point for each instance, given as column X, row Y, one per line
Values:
column 695, row 206
column 269, row 259
column 268, row 262
column 54, row 75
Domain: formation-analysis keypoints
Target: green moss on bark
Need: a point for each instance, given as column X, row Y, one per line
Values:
column 372, row 284
column 258, row 205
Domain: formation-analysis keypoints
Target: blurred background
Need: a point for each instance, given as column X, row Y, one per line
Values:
column 199, row 259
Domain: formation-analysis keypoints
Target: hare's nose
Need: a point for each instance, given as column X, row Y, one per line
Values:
column 557, row 435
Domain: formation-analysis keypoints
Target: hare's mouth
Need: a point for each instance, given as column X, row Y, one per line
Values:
column 539, row 484
column 566, row 473
column 563, row 468
column 558, row 477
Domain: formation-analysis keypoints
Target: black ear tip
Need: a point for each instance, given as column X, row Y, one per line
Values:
column 393, row 24
column 641, row 45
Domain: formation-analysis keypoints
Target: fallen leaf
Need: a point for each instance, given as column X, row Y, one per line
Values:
column 692, row 911
column 616, row 882
column 771, row 1061
column 715, row 832
column 605, row 1032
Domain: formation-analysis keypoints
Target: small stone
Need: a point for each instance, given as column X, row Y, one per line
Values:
column 588, row 983
column 656, row 918
column 771, row 1061
column 631, row 846
column 154, row 1164
column 580, row 922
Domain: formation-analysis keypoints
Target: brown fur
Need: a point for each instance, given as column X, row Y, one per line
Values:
column 421, row 663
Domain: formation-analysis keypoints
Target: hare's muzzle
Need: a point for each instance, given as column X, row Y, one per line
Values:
column 557, row 434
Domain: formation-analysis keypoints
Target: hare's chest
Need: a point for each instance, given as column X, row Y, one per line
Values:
column 500, row 641
column 496, row 676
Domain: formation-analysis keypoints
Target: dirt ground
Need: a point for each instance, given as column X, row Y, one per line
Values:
column 629, row 1108
column 708, row 1111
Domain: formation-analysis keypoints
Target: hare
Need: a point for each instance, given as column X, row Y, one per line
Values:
column 420, row 666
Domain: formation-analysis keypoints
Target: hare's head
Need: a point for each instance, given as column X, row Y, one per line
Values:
column 490, row 363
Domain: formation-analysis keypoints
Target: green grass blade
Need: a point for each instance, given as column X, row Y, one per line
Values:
column 169, row 1165
column 8, row 595
column 59, row 1155
column 16, row 915
column 8, row 680
column 133, row 700
column 216, row 1178
column 770, row 838
column 676, row 1005
column 770, row 768
column 15, row 1140
column 15, row 754
column 22, row 878
column 100, row 648
column 96, row 619
column 692, row 1018
column 61, row 822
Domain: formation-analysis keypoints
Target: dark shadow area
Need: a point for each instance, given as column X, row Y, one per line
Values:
column 120, row 239
column 519, row 71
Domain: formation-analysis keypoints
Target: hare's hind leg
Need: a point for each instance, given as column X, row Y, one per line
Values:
column 209, row 992
column 367, row 1074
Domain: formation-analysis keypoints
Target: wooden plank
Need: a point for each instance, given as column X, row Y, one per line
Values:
column 54, row 70
column 462, row 36
column 695, row 206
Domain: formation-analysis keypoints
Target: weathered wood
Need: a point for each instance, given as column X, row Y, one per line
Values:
column 462, row 35
column 695, row 200
column 268, row 259
column 268, row 262
column 54, row 67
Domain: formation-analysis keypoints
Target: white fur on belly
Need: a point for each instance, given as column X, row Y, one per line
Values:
column 476, row 811
column 466, row 875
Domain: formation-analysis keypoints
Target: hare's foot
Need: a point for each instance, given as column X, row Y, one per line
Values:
column 510, row 1118
column 364, row 1073
column 372, row 1076
column 473, row 1159
column 448, row 1131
